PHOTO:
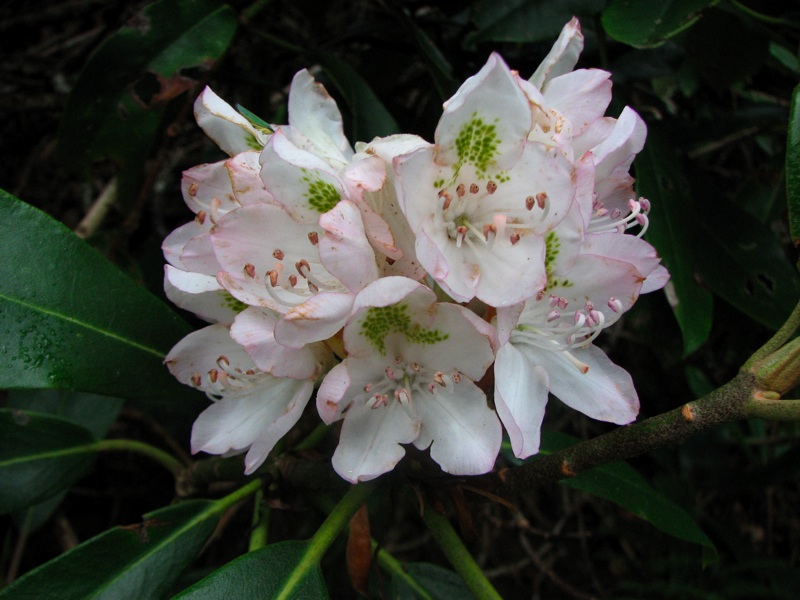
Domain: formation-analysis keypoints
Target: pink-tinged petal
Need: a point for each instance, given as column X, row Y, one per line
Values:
column 378, row 232
column 314, row 113
column 463, row 433
column 626, row 140
column 511, row 273
column 520, row 396
column 486, row 122
column 173, row 244
column 230, row 130
column 207, row 192
column 200, row 294
column 302, row 182
column 344, row 249
column 260, row 243
column 191, row 359
column 580, row 96
column 563, row 56
column 364, row 172
column 593, row 135
column 332, row 399
column 507, row 319
column 263, row 413
column 317, row 319
column 465, row 345
column 597, row 279
column 656, row 280
column 254, row 328
column 415, row 175
column 280, row 426
column 633, row 250
column 198, row 255
column 244, row 171
column 605, row 391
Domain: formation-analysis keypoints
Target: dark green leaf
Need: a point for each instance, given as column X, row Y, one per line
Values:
column 793, row 167
column 118, row 102
column 676, row 235
column 40, row 455
column 134, row 562
column 370, row 117
column 621, row 484
column 95, row 413
column 438, row 582
column 71, row 320
column 745, row 264
column 261, row 574
column 644, row 23
column 527, row 20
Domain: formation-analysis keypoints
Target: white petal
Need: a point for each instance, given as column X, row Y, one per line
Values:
column 520, row 396
column 344, row 249
column 369, row 444
column 563, row 56
column 314, row 113
column 604, row 392
column 254, row 329
column 315, row 320
column 200, row 294
column 230, row 130
column 464, row 434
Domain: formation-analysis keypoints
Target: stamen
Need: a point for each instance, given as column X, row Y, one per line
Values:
column 529, row 202
column 447, row 200
column 614, row 304
column 553, row 315
column 389, row 373
column 201, row 215
column 292, row 280
column 193, row 187
column 313, row 237
column 461, row 231
column 196, row 379
column 278, row 254
column 213, row 374
column 249, row 270
column 541, row 199
column 299, row 265
column 273, row 277
column 473, row 188
column 461, row 190
column 491, row 187
column 514, row 238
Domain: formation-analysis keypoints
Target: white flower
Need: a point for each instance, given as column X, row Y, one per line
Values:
column 409, row 378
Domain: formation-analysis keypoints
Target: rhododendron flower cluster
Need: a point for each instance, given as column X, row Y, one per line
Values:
column 391, row 276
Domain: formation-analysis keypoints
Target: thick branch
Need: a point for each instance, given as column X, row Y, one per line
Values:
column 728, row 403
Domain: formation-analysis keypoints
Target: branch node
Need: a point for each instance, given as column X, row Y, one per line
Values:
column 687, row 412
column 567, row 470
column 766, row 395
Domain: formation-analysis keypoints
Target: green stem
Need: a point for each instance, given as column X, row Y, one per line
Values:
column 395, row 567
column 783, row 335
column 260, row 532
column 252, row 10
column 337, row 520
column 773, row 410
column 165, row 459
column 762, row 17
column 459, row 557
column 225, row 503
column 315, row 437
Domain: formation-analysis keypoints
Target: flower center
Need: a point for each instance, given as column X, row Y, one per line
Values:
column 474, row 219
column 225, row 378
column 603, row 221
column 552, row 325
column 405, row 381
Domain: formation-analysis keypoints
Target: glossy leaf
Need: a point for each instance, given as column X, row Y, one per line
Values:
column 118, row 102
column 793, row 168
column 745, row 264
column 527, row 20
column 95, row 413
column 40, row 455
column 69, row 319
column 132, row 562
column 260, row 574
column 623, row 485
column 437, row 582
column 676, row 235
column 644, row 23
column 370, row 117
